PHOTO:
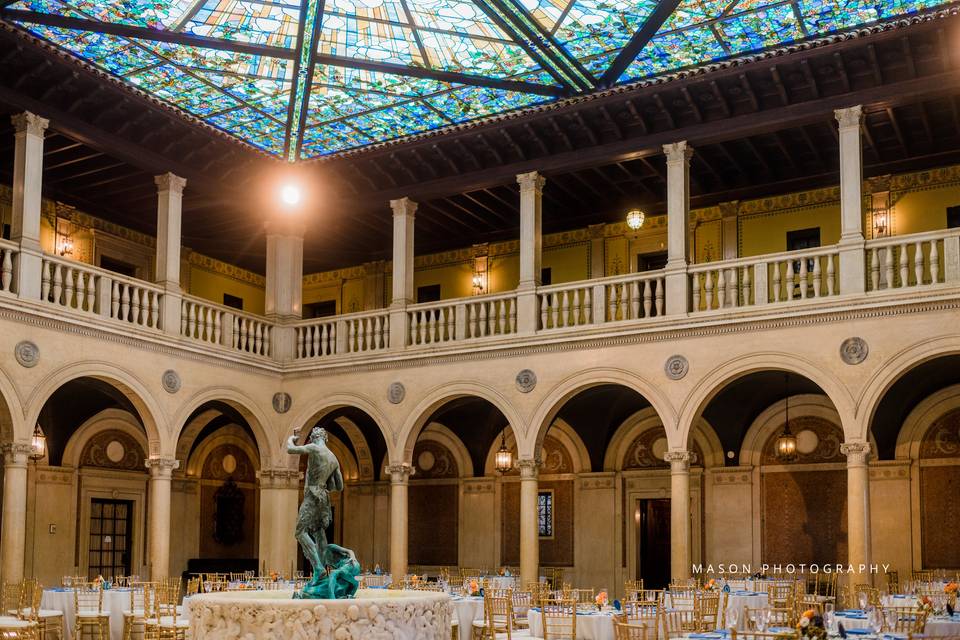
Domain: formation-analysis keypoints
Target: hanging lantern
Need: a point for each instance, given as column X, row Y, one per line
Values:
column 38, row 444
column 635, row 219
column 786, row 445
column 504, row 459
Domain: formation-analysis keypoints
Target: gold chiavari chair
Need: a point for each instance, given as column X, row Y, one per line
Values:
column 16, row 625
column 780, row 600
column 500, row 616
column 649, row 595
column 873, row 595
column 677, row 622
column 757, row 635
column 708, row 607
column 893, row 582
column 630, row 630
column 69, row 581
column 924, row 575
column 907, row 620
column 684, row 585
column 89, row 613
column 51, row 621
column 164, row 622
column 631, row 588
column 645, row 613
column 11, row 595
column 559, row 619
column 135, row 617
column 523, row 601
column 584, row 596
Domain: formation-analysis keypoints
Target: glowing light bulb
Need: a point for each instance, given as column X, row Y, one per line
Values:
column 290, row 195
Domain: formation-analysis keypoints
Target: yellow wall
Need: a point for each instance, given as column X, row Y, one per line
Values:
column 767, row 232
column 926, row 210
column 455, row 280
column 211, row 286
column 569, row 263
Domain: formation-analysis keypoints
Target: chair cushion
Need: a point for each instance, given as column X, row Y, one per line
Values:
column 50, row 613
column 136, row 613
column 93, row 614
column 6, row 623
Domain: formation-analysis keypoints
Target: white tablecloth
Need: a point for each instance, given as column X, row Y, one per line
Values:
column 739, row 600
column 943, row 626
column 116, row 601
column 590, row 626
column 466, row 610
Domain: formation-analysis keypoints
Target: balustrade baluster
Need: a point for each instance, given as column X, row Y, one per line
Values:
column 611, row 302
column 874, row 255
column 68, row 286
column 887, row 266
column 502, row 317
column 115, row 299
column 659, row 295
column 258, row 344
column 697, row 284
column 804, row 279
column 377, row 332
column 934, row 262
column 45, row 281
column 918, row 263
column 543, row 310
column 816, row 277
column 57, row 284
column 904, row 267
column 776, row 281
column 747, row 284
column 647, row 297
column 791, row 284
column 708, row 291
column 125, row 304
column 265, row 351
column 831, row 276
column 91, row 293
column 352, row 334
column 155, row 310
column 321, row 340
column 722, row 288
column 482, row 318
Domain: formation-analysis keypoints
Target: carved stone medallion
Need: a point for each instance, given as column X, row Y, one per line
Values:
column 396, row 392
column 676, row 367
column 526, row 381
column 27, row 353
column 282, row 402
column 171, row 381
column 854, row 350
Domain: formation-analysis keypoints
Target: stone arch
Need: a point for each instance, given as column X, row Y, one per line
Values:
column 565, row 437
column 402, row 452
column 232, row 434
column 770, row 422
column 892, row 369
column 189, row 434
column 646, row 419
column 115, row 419
column 11, row 411
column 256, row 419
column 443, row 435
column 566, row 389
column 922, row 418
column 716, row 380
column 150, row 413
column 348, row 464
column 316, row 411
column 361, row 447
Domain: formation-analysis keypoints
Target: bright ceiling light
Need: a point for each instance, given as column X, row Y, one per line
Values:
column 290, row 195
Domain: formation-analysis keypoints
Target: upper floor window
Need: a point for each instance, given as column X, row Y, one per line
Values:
column 546, row 276
column 233, row 301
column 322, row 309
column 953, row 217
column 118, row 266
column 545, row 514
column 428, row 293
column 803, row 239
column 651, row 261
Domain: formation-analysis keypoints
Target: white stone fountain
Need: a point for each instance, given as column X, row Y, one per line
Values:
column 374, row 614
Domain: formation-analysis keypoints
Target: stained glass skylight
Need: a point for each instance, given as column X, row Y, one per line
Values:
column 301, row 79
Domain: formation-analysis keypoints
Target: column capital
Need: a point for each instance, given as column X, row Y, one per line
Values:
column 279, row 478
column 849, row 117
column 404, row 207
column 29, row 123
column 170, row 182
column 15, row 454
column 529, row 467
column 531, row 181
column 857, row 453
column 729, row 209
column 679, row 460
column 161, row 467
column 399, row 473
column 288, row 228
column 678, row 151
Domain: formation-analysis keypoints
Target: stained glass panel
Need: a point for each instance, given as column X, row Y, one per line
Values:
column 545, row 514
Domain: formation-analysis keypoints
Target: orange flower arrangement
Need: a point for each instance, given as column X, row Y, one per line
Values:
column 474, row 588
column 951, row 588
column 601, row 599
column 810, row 625
column 710, row 585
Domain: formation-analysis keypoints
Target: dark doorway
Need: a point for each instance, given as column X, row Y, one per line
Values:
column 651, row 261
column 652, row 517
column 118, row 266
column 111, row 528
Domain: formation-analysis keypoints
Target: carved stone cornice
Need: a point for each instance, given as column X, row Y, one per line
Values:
column 531, row 181
column 29, row 123
column 279, row 478
column 858, row 453
column 678, row 152
column 849, row 117
column 399, row 473
column 679, row 460
column 170, row 182
column 161, row 468
column 529, row 467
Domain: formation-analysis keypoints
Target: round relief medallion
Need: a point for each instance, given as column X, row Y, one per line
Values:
column 396, row 392
column 229, row 463
column 854, row 350
column 426, row 460
column 659, row 448
column 115, row 451
column 27, row 353
column 676, row 367
column 282, row 402
column 171, row 381
column 807, row 441
column 526, row 381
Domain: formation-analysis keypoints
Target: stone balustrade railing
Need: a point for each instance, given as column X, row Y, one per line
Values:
column 914, row 261
column 917, row 261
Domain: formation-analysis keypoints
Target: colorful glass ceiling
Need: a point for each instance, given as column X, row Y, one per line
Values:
column 301, row 79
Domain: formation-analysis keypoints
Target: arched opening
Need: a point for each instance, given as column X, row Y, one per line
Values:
column 916, row 427
column 87, row 497
column 215, row 498
column 798, row 506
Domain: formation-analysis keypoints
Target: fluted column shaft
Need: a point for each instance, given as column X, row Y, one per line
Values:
column 858, row 507
column 158, row 516
column 852, row 253
column 531, row 250
column 680, row 540
column 399, row 483
column 13, row 534
column 529, row 529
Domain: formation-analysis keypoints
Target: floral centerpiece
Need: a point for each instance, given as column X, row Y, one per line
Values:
column 925, row 605
column 601, row 599
column 710, row 585
column 474, row 588
column 811, row 626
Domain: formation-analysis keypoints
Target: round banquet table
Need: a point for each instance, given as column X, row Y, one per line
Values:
column 115, row 601
column 590, row 626
column 737, row 601
column 466, row 611
column 943, row 626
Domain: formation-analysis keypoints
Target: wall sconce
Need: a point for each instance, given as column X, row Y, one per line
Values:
column 63, row 242
column 881, row 222
column 479, row 279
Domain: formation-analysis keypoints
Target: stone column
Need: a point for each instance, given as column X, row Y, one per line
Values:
column 858, row 507
column 680, row 540
column 279, row 503
column 598, row 263
column 169, row 209
column 529, row 527
column 284, row 293
column 374, row 274
column 531, row 249
column 158, row 516
column 13, row 534
column 27, row 183
column 404, row 212
column 399, row 481
column 729, row 212
column 852, row 257
column 678, row 210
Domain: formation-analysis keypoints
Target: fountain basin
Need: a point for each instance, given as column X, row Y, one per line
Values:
column 374, row 614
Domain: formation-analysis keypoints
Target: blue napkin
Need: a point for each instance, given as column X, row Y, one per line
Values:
column 726, row 588
column 859, row 632
column 616, row 605
column 706, row 636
